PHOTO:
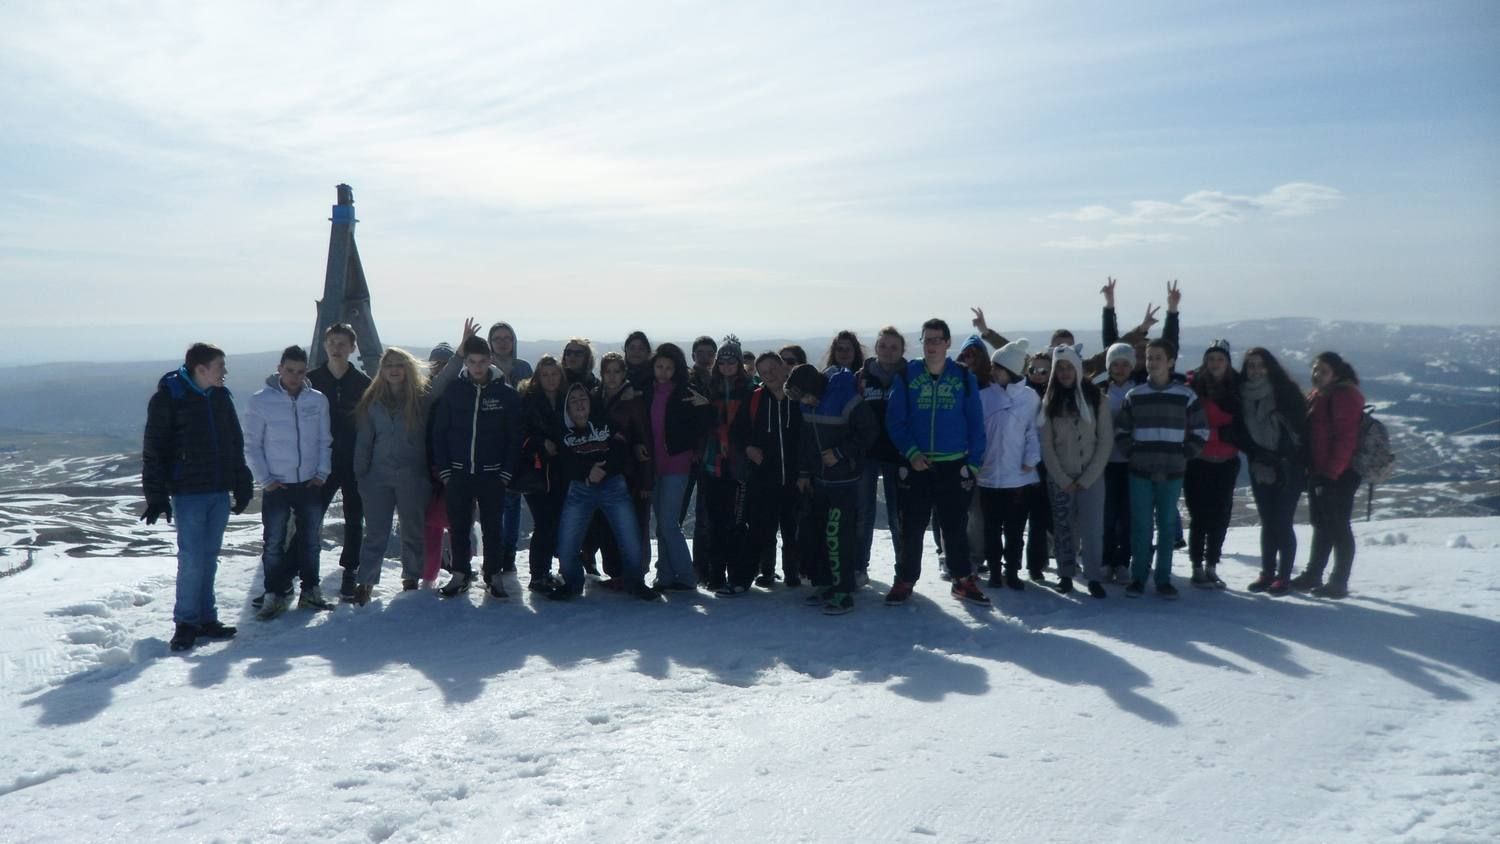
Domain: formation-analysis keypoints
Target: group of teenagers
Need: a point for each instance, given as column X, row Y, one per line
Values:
column 1011, row 454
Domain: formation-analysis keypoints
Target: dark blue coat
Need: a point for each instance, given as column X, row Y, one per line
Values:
column 193, row 442
column 477, row 430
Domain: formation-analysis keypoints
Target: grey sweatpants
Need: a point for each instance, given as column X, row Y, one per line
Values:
column 976, row 532
column 1078, row 516
column 383, row 498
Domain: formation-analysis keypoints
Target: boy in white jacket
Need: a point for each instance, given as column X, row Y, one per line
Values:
column 289, row 446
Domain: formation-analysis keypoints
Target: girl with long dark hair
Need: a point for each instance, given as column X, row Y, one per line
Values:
column 678, row 416
column 721, row 482
column 845, row 352
column 1078, row 437
column 542, row 408
column 1335, row 408
column 1208, row 486
column 1273, row 427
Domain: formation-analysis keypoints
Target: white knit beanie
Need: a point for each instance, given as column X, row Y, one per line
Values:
column 1119, row 351
column 1012, row 356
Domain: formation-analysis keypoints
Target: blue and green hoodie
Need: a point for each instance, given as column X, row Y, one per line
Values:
column 940, row 417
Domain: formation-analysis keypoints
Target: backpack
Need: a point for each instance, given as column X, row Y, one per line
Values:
column 1373, row 458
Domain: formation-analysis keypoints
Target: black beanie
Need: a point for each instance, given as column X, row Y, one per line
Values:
column 806, row 379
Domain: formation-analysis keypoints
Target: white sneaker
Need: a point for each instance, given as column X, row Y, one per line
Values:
column 312, row 598
column 272, row 605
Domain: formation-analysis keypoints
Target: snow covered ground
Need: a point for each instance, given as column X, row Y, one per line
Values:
column 1221, row 717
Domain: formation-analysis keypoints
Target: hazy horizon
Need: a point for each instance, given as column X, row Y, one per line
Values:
column 750, row 168
column 21, row 347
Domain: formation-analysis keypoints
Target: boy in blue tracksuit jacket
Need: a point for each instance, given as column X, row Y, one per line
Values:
column 935, row 418
column 838, row 430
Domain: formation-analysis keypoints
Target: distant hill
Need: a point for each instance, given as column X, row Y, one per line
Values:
column 1437, row 387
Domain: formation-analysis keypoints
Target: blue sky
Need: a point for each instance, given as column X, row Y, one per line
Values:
column 766, row 168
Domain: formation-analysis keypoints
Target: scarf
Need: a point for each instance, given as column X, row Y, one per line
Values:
column 1259, row 413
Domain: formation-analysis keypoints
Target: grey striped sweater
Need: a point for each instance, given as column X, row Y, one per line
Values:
column 1160, row 429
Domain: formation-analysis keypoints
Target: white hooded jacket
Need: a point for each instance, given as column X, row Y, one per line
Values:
column 1011, row 436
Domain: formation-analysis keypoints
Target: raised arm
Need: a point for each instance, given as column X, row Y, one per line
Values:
column 449, row 373
column 1110, row 330
column 986, row 333
column 1171, row 332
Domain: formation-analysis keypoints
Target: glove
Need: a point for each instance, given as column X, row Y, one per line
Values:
column 240, row 503
column 155, row 510
column 966, row 479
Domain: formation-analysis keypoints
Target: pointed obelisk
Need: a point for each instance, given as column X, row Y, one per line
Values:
column 346, row 296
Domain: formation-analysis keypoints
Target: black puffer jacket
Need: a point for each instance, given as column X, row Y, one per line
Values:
column 477, row 429
column 343, row 395
column 193, row 442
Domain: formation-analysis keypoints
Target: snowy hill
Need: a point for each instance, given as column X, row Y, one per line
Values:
column 1221, row 717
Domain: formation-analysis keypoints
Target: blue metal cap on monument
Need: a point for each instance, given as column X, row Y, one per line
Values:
column 346, row 293
column 343, row 212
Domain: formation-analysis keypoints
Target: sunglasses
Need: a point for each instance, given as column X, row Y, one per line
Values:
column 573, row 353
column 789, row 361
column 1040, row 370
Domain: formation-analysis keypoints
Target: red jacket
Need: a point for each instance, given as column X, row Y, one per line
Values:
column 1219, row 419
column 1333, row 428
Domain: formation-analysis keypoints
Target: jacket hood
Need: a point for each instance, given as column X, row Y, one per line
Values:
column 841, row 388
column 884, row 377
column 179, row 383
column 567, row 421
column 495, row 374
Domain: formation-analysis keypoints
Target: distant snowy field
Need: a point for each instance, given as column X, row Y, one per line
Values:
column 1221, row 717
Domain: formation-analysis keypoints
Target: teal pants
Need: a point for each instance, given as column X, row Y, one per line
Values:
column 1150, row 498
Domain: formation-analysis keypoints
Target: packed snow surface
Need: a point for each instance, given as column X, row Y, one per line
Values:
column 1221, row 717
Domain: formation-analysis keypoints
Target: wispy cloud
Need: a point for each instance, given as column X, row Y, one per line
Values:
column 1112, row 240
column 1213, row 208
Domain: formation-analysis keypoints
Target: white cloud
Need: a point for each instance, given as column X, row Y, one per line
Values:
column 1213, row 208
column 1086, row 214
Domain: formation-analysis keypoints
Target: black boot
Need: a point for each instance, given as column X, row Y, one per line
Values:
column 1306, row 581
column 217, row 630
column 1064, row 585
column 184, row 637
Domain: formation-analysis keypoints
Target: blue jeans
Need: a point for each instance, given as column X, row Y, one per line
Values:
column 301, row 504
column 510, row 525
column 874, row 470
column 200, row 520
column 673, row 562
column 1148, row 498
column 611, row 498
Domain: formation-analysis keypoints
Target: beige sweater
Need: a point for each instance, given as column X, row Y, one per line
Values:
column 1075, row 451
